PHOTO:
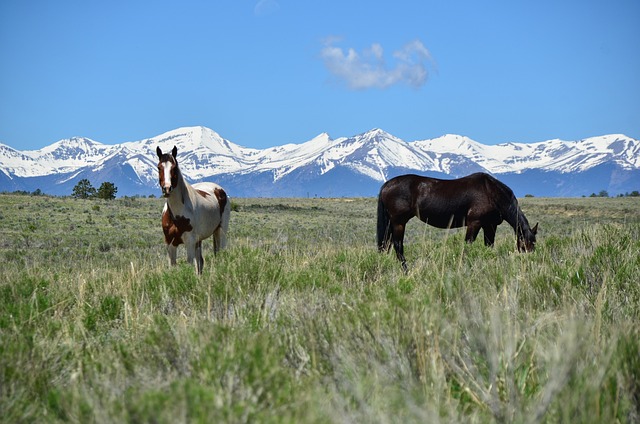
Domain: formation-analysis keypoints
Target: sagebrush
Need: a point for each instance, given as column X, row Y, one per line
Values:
column 302, row 320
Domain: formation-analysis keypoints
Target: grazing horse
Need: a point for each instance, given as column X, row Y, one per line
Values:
column 191, row 213
column 477, row 201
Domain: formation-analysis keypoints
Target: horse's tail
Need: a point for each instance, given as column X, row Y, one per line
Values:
column 220, row 233
column 383, row 232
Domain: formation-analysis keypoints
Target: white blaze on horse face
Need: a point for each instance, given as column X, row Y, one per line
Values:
column 166, row 185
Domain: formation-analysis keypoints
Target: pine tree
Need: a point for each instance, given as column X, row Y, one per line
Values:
column 83, row 190
column 107, row 191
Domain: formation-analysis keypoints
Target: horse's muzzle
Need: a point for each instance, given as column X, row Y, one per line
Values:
column 166, row 191
column 526, row 247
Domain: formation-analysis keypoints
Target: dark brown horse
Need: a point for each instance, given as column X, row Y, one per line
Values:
column 476, row 201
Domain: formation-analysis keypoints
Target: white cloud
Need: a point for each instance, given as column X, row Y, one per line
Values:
column 265, row 7
column 368, row 69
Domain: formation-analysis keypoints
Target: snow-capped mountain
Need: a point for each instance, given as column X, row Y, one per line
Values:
column 322, row 166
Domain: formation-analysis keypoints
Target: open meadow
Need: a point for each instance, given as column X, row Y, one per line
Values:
column 301, row 320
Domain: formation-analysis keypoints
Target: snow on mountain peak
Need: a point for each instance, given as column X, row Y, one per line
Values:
column 72, row 144
column 204, row 154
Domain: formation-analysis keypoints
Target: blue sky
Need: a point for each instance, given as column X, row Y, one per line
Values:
column 269, row 72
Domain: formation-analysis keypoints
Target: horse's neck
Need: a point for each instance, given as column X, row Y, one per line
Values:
column 521, row 224
column 179, row 196
column 514, row 216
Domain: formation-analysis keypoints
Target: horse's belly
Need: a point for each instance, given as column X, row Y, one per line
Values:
column 443, row 219
column 451, row 222
column 207, row 224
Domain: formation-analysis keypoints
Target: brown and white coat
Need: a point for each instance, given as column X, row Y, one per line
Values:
column 191, row 213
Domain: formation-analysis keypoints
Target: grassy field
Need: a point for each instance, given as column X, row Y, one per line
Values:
column 302, row 320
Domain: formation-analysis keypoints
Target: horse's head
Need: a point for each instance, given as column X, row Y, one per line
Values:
column 167, row 170
column 527, row 239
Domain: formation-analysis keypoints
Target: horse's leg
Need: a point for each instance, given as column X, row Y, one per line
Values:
column 398, row 243
column 489, row 234
column 473, row 228
column 216, row 241
column 192, row 254
column 198, row 258
column 172, row 251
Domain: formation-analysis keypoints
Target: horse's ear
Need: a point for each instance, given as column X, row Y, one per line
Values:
column 534, row 230
column 159, row 152
column 174, row 152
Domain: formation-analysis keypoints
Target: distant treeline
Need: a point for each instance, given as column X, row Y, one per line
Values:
column 604, row 193
column 39, row 192
column 108, row 191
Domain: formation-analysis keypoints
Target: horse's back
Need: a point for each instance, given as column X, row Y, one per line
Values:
column 412, row 183
column 207, row 187
column 213, row 193
column 443, row 203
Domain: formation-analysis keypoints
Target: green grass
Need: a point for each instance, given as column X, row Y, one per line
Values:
column 302, row 320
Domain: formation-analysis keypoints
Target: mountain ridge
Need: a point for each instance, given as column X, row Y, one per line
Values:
column 325, row 166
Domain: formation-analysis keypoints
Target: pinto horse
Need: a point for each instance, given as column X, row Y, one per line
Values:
column 191, row 213
column 475, row 201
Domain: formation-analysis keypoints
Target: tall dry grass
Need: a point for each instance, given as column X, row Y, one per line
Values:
column 301, row 320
